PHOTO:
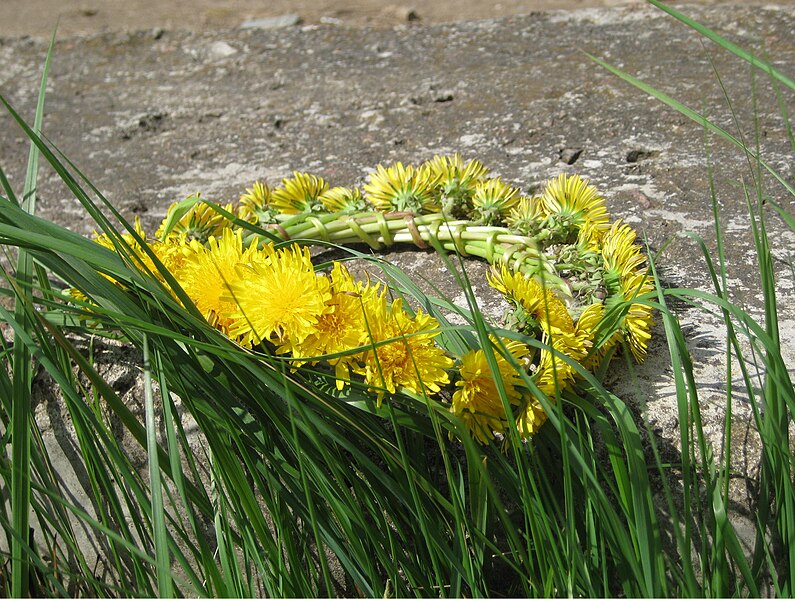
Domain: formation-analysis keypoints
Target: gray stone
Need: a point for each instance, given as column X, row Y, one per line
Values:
column 406, row 14
column 221, row 49
column 272, row 22
column 570, row 155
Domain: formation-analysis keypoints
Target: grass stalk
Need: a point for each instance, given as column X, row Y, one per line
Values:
column 159, row 532
column 22, row 370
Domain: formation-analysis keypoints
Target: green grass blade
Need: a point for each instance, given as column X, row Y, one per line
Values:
column 31, row 174
column 22, row 372
column 20, row 448
column 698, row 118
column 726, row 44
column 7, row 189
column 160, row 535
column 776, row 467
column 177, row 446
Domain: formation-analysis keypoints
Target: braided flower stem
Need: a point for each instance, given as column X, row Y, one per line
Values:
column 381, row 230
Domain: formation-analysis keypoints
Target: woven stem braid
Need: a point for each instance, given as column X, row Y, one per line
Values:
column 381, row 230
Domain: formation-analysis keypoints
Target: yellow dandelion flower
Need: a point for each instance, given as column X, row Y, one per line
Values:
column 493, row 201
column 554, row 373
column 526, row 217
column 531, row 419
column 452, row 170
column 535, row 300
column 200, row 222
column 638, row 321
column 279, row 297
column 207, row 272
column 625, row 279
column 299, row 194
column 477, row 400
column 131, row 249
column 589, row 237
column 168, row 252
column 573, row 202
column 456, row 182
column 78, row 296
column 620, row 252
column 402, row 189
column 411, row 359
column 586, row 330
column 342, row 328
column 597, row 356
column 171, row 251
column 104, row 239
column 254, row 204
column 343, row 199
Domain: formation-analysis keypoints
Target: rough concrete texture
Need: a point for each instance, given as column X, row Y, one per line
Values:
column 154, row 116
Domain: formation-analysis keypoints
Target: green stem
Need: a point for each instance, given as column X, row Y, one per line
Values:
column 383, row 230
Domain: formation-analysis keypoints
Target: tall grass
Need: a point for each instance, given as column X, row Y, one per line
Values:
column 261, row 480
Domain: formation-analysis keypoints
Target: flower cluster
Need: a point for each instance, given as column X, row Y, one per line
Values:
column 445, row 184
column 572, row 280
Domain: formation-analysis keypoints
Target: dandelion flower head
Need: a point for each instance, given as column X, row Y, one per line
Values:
column 456, row 182
column 298, row 194
column 255, row 204
column 620, row 252
column 279, row 297
column 625, row 279
column 209, row 271
column 343, row 199
column 341, row 328
column 534, row 299
column 526, row 217
column 493, row 201
column 199, row 223
column 477, row 399
column 401, row 188
column 410, row 357
column 575, row 203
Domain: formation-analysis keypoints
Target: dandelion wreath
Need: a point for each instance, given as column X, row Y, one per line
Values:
column 572, row 280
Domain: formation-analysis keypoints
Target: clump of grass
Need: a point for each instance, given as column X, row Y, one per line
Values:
column 722, row 566
column 304, row 491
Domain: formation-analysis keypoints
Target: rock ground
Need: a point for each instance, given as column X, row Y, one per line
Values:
column 153, row 116
column 79, row 17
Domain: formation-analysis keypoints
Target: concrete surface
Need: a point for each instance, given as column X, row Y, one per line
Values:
column 80, row 17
